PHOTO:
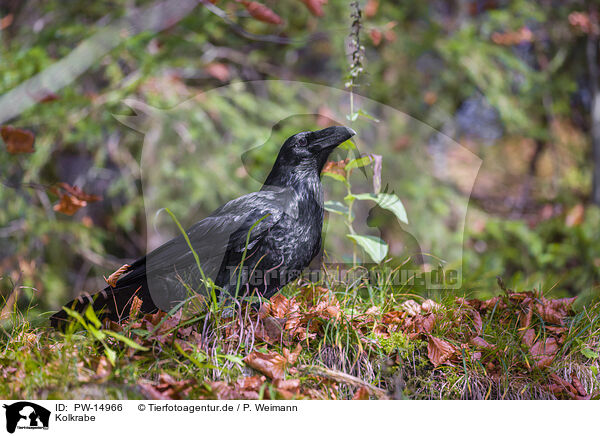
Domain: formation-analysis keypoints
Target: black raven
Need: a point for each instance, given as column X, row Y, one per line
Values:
column 260, row 241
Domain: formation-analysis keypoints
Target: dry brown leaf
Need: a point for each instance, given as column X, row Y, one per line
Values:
column 69, row 204
column 103, row 369
column 528, row 337
column 411, row 307
column 17, row 140
column 270, row 364
column 270, row 329
column 583, row 395
column 429, row 306
column 361, row 394
column 554, row 311
column 543, row 352
column 439, row 351
column 114, row 277
column 134, row 310
column 477, row 323
column 292, row 356
column 290, row 385
column 481, row 343
column 72, row 198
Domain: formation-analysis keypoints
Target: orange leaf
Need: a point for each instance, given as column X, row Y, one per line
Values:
column 77, row 192
column 292, row 356
column 17, row 140
column 69, row 204
column 262, row 12
column 270, row 364
column 112, row 279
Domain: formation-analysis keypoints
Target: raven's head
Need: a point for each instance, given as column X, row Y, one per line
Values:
column 307, row 152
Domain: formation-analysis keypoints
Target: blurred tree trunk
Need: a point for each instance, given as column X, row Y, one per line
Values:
column 592, row 58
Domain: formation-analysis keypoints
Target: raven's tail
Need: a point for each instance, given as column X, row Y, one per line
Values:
column 112, row 303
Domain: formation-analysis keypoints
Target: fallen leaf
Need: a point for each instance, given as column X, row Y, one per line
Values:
column 17, row 140
column 134, row 310
column 439, row 351
column 528, row 337
column 481, row 343
column 270, row 364
column 543, row 352
column 292, row 356
column 361, row 394
column 583, row 395
column 411, row 307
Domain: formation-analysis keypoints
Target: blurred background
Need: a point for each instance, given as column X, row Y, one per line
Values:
column 512, row 83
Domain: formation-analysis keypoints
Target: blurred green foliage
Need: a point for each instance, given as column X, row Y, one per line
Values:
column 443, row 65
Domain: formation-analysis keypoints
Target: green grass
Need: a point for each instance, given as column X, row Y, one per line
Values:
column 361, row 332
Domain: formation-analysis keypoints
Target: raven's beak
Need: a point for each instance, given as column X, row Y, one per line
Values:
column 331, row 137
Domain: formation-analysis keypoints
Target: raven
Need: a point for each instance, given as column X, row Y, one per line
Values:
column 258, row 242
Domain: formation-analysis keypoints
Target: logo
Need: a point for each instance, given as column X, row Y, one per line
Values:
column 26, row 415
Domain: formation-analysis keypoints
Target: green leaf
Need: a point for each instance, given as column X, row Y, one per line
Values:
column 127, row 341
column 347, row 145
column 234, row 359
column 367, row 115
column 387, row 201
column 91, row 315
column 76, row 315
column 335, row 176
column 352, row 117
column 589, row 353
column 357, row 163
column 98, row 334
column 111, row 355
column 140, row 332
column 375, row 247
column 336, row 207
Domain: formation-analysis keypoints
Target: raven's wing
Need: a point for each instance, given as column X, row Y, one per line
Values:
column 245, row 219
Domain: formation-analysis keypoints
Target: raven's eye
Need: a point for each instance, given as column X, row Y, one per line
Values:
column 302, row 141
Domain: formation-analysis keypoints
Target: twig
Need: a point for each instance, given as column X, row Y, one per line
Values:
column 342, row 377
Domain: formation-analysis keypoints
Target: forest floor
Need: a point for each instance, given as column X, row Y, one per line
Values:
column 316, row 342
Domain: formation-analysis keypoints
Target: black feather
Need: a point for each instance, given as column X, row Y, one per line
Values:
column 278, row 228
